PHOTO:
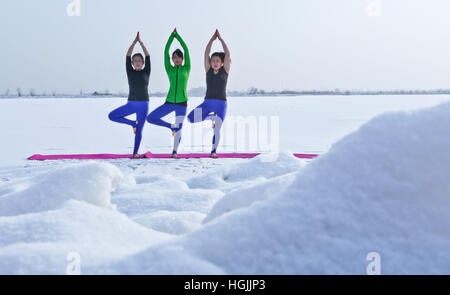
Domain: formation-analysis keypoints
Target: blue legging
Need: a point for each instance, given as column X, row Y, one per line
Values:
column 163, row 110
column 140, row 108
column 210, row 109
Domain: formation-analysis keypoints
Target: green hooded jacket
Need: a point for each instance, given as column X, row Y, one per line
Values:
column 178, row 75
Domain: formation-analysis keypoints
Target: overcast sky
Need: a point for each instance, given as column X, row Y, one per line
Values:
column 275, row 45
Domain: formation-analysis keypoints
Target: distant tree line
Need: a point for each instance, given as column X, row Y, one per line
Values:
column 252, row 91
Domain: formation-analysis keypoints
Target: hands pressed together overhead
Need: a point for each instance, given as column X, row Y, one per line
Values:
column 138, row 38
column 217, row 35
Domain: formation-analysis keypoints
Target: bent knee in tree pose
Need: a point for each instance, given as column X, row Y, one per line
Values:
column 138, row 79
column 214, row 106
column 176, row 100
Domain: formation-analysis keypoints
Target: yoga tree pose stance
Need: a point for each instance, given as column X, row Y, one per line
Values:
column 214, row 106
column 138, row 98
column 176, row 100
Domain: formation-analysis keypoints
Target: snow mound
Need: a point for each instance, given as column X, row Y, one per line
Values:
column 162, row 181
column 266, row 165
column 259, row 168
column 384, row 188
column 172, row 222
column 38, row 243
column 165, row 203
column 137, row 201
column 161, row 260
column 90, row 182
column 244, row 197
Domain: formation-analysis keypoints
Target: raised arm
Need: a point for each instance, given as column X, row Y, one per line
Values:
column 130, row 50
column 129, row 53
column 187, row 57
column 147, row 67
column 227, row 61
column 208, row 51
column 167, row 63
column 144, row 48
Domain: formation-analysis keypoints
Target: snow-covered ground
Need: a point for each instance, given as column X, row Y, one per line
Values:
column 381, row 185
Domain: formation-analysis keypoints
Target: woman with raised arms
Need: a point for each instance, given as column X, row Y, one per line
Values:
column 214, row 106
column 138, row 79
column 176, row 100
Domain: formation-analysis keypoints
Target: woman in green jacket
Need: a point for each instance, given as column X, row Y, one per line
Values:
column 176, row 100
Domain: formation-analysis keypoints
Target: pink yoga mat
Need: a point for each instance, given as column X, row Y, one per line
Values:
column 149, row 155
column 81, row 157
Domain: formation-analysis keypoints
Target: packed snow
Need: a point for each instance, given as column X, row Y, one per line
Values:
column 381, row 185
column 67, row 210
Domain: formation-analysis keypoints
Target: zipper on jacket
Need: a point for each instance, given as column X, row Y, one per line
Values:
column 176, row 86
